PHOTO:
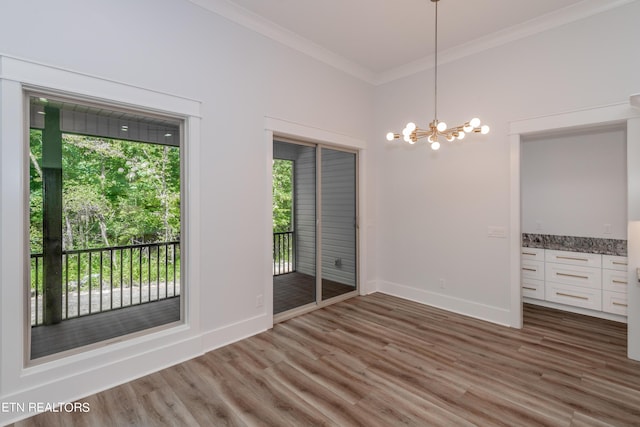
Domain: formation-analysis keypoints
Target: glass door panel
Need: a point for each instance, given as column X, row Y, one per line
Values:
column 294, row 226
column 338, row 223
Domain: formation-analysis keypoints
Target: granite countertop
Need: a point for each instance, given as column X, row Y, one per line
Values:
column 591, row 245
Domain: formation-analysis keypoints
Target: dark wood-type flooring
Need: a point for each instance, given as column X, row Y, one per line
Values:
column 290, row 291
column 81, row 331
column 378, row 360
column 294, row 290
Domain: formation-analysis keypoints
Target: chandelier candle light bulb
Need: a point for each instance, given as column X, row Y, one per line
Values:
column 411, row 133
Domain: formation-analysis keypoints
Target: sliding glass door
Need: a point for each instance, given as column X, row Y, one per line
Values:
column 314, row 225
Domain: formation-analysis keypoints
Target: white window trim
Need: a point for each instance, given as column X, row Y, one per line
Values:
column 120, row 361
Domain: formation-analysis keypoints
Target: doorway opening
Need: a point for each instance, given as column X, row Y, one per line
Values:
column 616, row 114
column 574, row 220
column 314, row 226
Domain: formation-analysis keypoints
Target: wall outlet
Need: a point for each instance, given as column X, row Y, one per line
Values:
column 259, row 301
column 538, row 226
column 607, row 229
column 442, row 283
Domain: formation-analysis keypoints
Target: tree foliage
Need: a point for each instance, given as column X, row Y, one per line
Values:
column 282, row 195
column 114, row 192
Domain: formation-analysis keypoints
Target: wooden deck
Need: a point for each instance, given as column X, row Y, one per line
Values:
column 290, row 291
column 378, row 360
column 293, row 290
column 81, row 331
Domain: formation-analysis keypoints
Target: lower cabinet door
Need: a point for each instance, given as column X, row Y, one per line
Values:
column 532, row 270
column 589, row 277
column 614, row 302
column 532, row 288
column 614, row 281
column 577, row 296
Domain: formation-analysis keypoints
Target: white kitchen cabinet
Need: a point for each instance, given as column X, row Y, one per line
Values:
column 614, row 284
column 578, row 296
column 573, row 258
column 532, row 267
column 589, row 281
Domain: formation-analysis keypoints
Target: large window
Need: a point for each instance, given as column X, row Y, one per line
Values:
column 105, row 223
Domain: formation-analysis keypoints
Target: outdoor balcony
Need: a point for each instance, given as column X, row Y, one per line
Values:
column 106, row 293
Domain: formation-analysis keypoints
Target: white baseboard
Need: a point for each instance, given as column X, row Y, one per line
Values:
column 492, row 314
column 369, row 287
column 103, row 377
column 234, row 332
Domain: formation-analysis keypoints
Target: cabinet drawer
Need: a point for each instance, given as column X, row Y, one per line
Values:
column 574, row 295
column 611, row 262
column 532, row 269
column 614, row 302
column 588, row 277
column 614, row 281
column 573, row 258
column 532, row 288
column 532, row 254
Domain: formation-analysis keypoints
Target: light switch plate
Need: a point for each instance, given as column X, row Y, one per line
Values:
column 497, row 231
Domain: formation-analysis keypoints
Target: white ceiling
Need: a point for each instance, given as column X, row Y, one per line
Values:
column 379, row 40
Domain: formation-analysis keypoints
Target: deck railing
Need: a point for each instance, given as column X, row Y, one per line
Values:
column 104, row 279
column 284, row 258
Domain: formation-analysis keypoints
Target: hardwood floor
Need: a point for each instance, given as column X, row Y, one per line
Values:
column 382, row 361
column 81, row 331
column 295, row 289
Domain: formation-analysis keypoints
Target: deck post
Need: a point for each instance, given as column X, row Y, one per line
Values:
column 52, row 215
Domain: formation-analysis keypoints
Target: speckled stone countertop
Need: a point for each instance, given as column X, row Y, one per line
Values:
column 591, row 245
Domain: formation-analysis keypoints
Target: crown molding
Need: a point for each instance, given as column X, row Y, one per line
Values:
column 255, row 22
column 537, row 25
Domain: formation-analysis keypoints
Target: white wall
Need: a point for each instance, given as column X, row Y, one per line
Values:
column 434, row 208
column 175, row 47
column 575, row 184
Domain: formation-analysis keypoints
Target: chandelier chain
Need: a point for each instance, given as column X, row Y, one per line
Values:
column 435, row 83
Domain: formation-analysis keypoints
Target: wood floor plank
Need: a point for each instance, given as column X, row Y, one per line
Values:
column 163, row 407
column 288, row 406
column 332, row 405
column 378, row 360
column 201, row 395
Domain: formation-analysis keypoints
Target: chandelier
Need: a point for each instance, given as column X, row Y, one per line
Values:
column 411, row 133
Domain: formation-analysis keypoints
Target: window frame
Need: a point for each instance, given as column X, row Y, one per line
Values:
column 126, row 356
column 55, row 97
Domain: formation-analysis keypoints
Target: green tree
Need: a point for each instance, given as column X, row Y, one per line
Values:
column 114, row 192
column 35, row 191
column 282, row 195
